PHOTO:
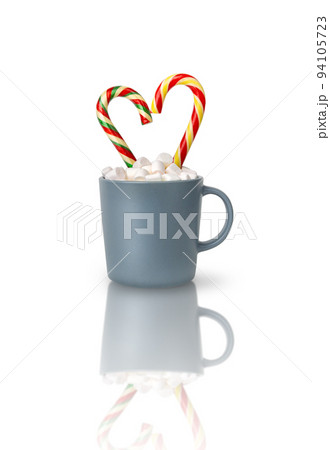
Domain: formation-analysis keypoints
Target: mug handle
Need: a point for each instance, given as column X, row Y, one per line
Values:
column 204, row 312
column 207, row 245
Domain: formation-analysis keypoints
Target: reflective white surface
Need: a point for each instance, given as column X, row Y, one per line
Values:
column 253, row 59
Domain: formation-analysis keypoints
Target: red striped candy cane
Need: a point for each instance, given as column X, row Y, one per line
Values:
column 197, row 114
column 109, row 128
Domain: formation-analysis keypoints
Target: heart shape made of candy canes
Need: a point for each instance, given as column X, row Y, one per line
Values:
column 146, row 433
column 156, row 107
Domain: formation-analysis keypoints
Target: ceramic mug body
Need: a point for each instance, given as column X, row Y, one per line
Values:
column 157, row 330
column 151, row 230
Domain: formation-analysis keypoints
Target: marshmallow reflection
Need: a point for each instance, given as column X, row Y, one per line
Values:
column 152, row 337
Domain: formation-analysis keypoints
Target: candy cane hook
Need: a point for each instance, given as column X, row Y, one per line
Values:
column 109, row 128
column 197, row 114
column 108, row 422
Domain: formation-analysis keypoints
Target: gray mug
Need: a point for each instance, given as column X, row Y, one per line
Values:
column 151, row 230
column 157, row 330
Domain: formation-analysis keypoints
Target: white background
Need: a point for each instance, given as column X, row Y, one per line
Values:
column 258, row 142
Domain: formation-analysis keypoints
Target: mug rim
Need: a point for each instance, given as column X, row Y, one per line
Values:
column 198, row 178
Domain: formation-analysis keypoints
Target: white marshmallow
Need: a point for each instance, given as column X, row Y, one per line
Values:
column 174, row 380
column 143, row 388
column 120, row 378
column 170, row 177
column 140, row 175
column 165, row 391
column 106, row 170
column 166, row 158
column 158, row 166
column 137, row 378
column 154, row 177
column 184, row 176
column 191, row 172
column 140, row 162
column 148, row 168
column 131, row 172
column 173, row 168
column 118, row 173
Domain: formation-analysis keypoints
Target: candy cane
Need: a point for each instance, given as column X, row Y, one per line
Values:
column 197, row 114
column 108, row 126
column 192, row 417
column 112, row 416
column 146, row 429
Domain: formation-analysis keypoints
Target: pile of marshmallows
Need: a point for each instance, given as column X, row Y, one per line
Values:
column 162, row 169
column 161, row 382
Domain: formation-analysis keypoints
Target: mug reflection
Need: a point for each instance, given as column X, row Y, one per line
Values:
column 152, row 337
